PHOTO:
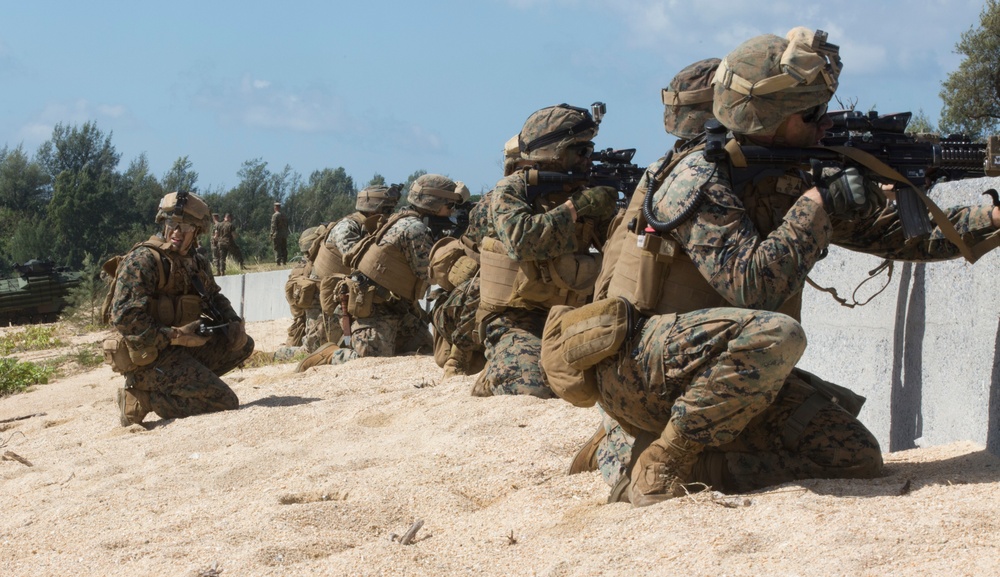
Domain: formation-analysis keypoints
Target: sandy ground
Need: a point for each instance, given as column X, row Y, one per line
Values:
column 321, row 473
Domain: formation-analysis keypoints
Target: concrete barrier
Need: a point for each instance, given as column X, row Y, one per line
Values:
column 257, row 296
column 924, row 351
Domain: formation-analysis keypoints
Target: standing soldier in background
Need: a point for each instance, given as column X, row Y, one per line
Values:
column 279, row 235
column 163, row 296
column 538, row 254
column 226, row 238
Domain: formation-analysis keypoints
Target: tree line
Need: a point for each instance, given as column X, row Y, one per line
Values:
column 71, row 199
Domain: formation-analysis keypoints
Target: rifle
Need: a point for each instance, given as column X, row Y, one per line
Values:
column 923, row 161
column 613, row 168
column 453, row 226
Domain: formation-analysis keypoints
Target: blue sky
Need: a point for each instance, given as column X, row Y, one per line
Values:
column 394, row 87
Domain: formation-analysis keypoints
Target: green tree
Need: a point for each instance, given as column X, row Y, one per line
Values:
column 86, row 298
column 181, row 177
column 77, row 150
column 920, row 124
column 27, row 238
column 144, row 192
column 90, row 202
column 327, row 196
column 971, row 94
column 24, row 195
column 23, row 182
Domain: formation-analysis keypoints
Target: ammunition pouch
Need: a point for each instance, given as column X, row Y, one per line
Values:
column 451, row 264
column 362, row 296
column 116, row 355
column 123, row 359
column 329, row 297
column 302, row 293
column 576, row 339
column 505, row 282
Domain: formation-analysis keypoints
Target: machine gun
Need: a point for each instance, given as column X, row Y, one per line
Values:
column 924, row 161
column 613, row 168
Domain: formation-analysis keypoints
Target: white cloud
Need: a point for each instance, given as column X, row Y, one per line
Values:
column 263, row 104
column 39, row 129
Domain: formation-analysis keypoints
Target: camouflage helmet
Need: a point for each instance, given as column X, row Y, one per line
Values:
column 550, row 131
column 431, row 192
column 186, row 207
column 377, row 198
column 687, row 100
column 463, row 191
column 768, row 78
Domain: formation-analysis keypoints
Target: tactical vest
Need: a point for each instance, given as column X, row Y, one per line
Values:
column 326, row 257
column 453, row 261
column 176, row 301
column 653, row 272
column 386, row 265
column 540, row 285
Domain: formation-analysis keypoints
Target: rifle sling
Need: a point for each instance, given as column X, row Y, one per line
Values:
column 971, row 253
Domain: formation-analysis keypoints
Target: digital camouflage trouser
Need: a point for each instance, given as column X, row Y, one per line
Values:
column 513, row 343
column 390, row 331
column 726, row 378
column 184, row 381
column 454, row 318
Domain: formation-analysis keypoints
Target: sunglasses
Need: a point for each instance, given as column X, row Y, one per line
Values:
column 814, row 114
column 184, row 227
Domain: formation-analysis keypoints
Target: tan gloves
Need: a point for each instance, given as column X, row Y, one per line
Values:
column 598, row 202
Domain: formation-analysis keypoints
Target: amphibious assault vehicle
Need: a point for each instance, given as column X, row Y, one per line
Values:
column 37, row 293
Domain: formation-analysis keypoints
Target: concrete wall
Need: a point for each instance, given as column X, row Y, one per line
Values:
column 258, row 296
column 924, row 351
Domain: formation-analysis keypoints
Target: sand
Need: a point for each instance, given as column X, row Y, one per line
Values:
column 324, row 472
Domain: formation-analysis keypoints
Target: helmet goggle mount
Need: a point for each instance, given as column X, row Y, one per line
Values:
column 180, row 201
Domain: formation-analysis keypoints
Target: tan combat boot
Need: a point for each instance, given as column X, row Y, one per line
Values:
column 457, row 364
column 483, row 387
column 586, row 458
column 321, row 356
column 663, row 470
column 130, row 406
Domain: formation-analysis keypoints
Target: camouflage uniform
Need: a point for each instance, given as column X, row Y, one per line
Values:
column 182, row 381
column 529, row 232
column 724, row 376
column 393, row 328
column 279, row 237
column 454, row 314
column 344, row 235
